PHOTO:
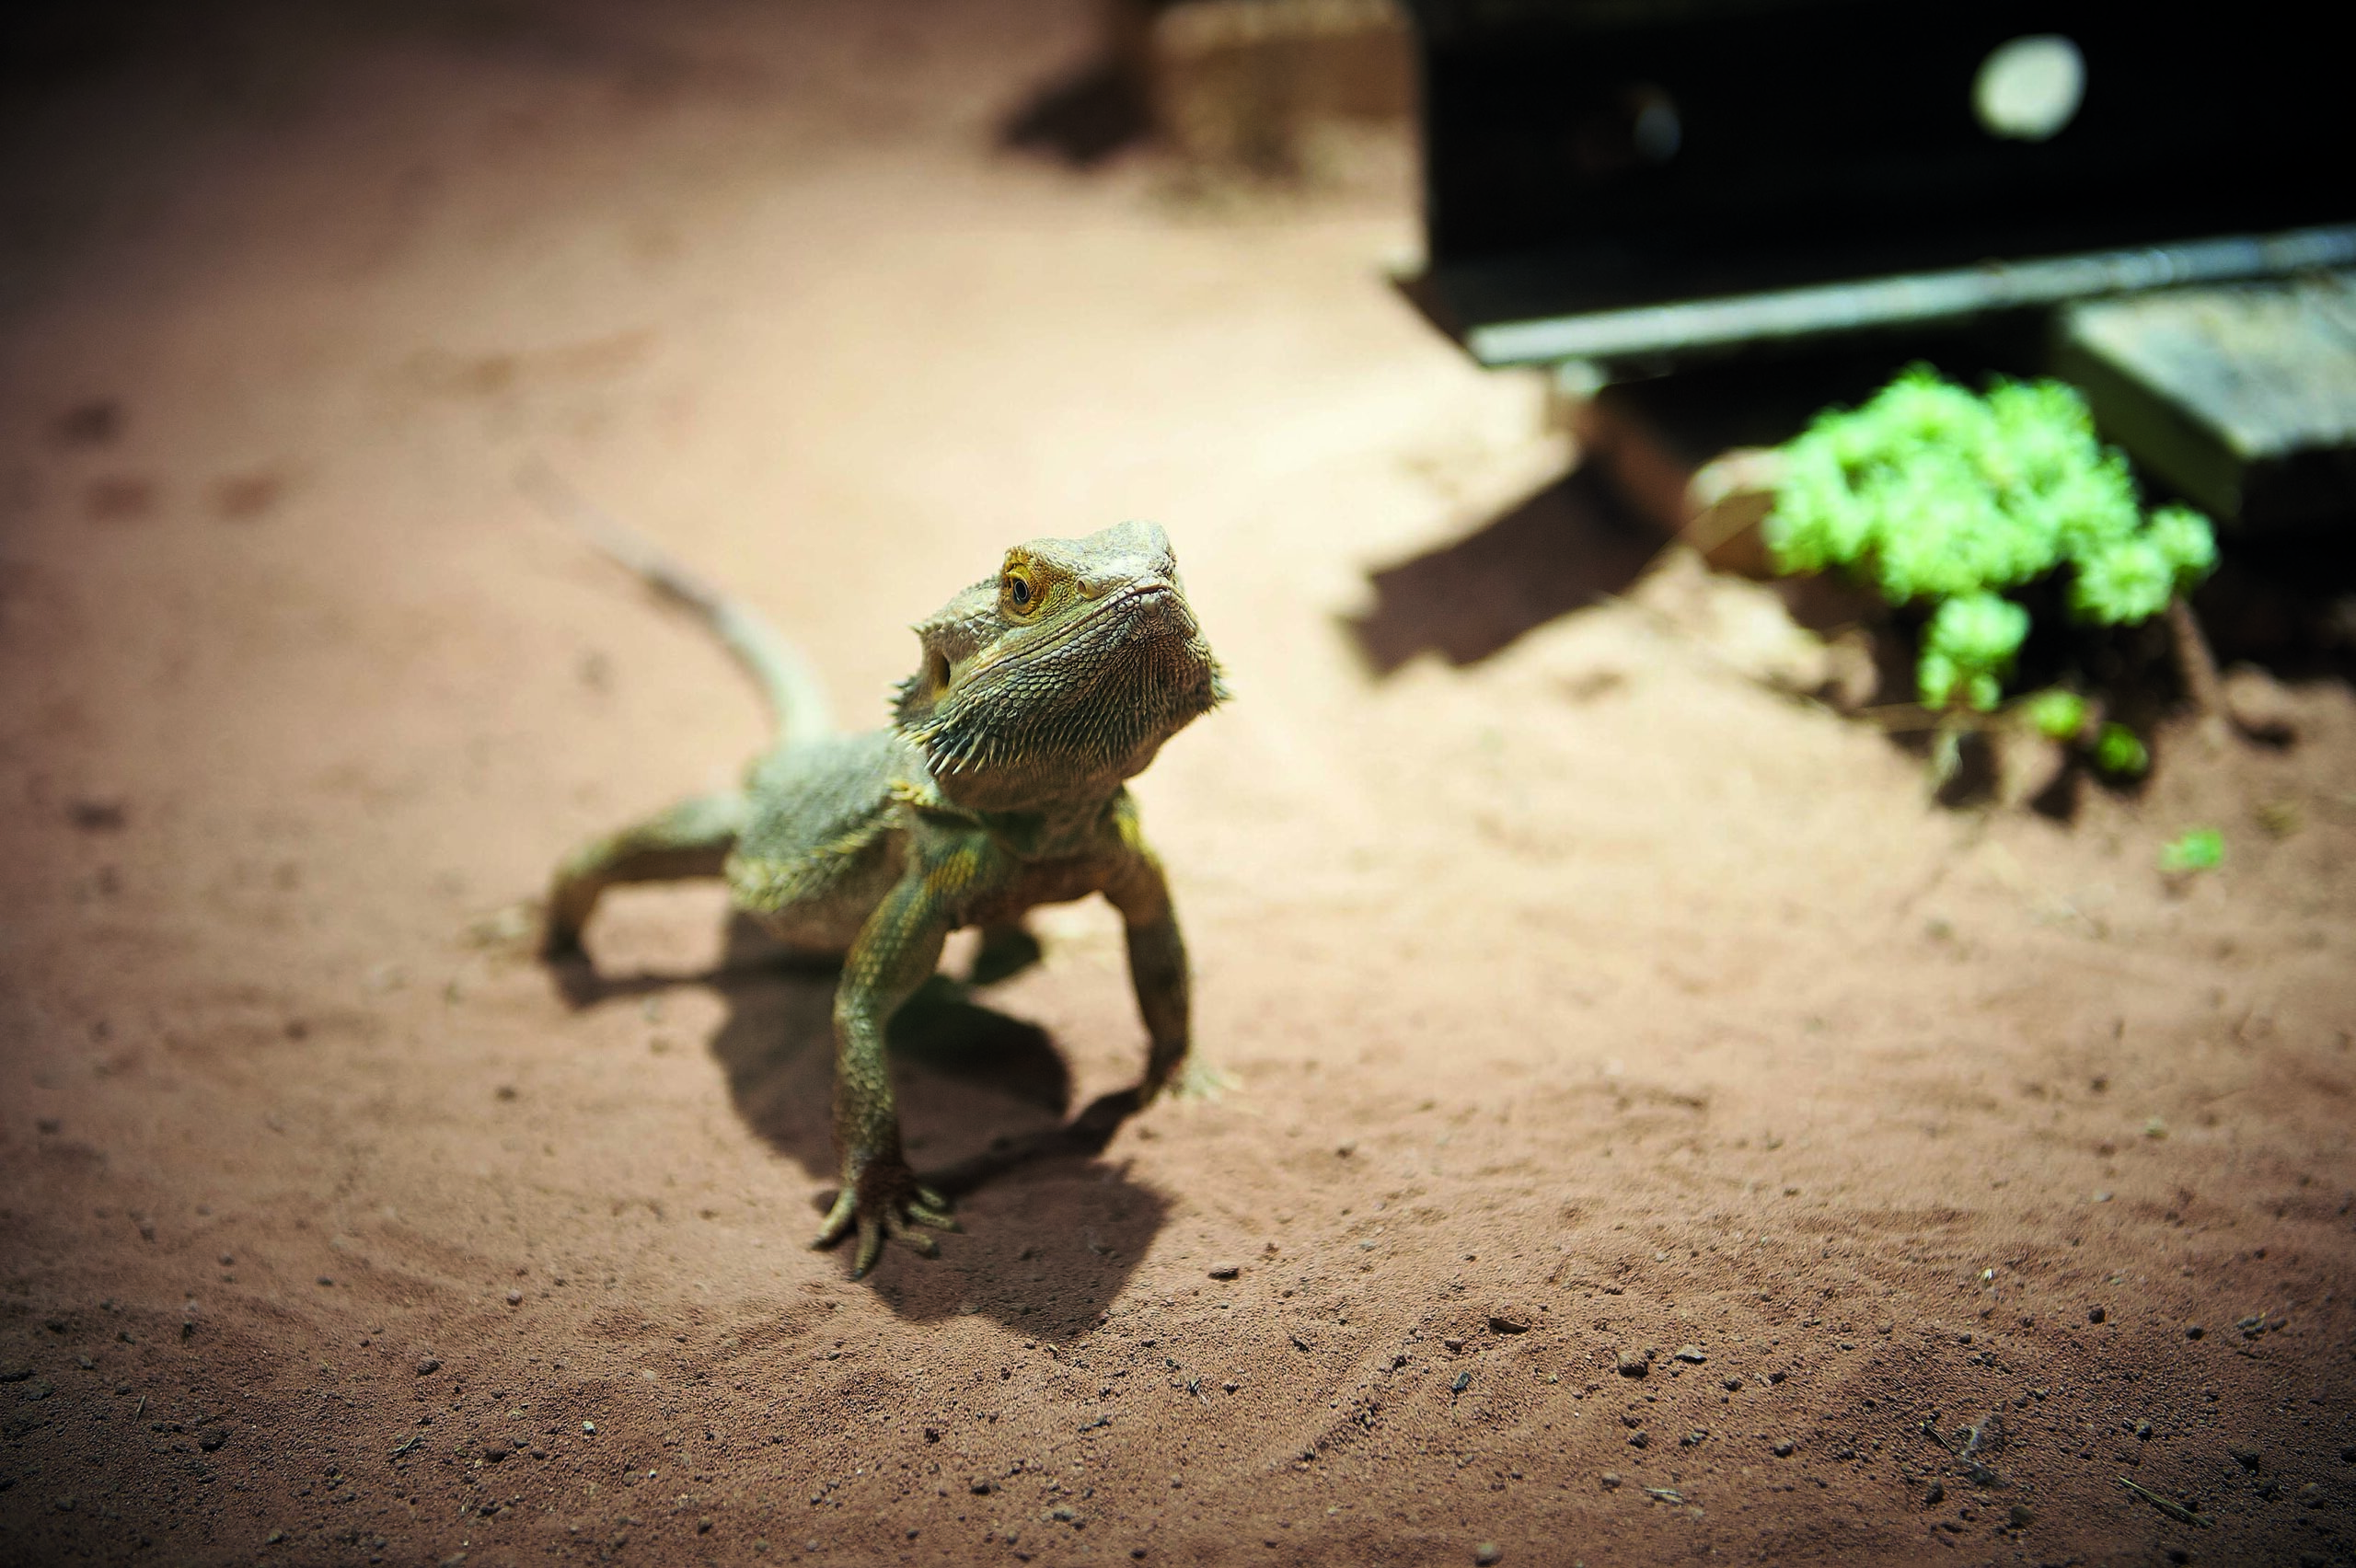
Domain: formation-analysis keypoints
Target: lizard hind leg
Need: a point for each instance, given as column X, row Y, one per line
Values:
column 691, row 840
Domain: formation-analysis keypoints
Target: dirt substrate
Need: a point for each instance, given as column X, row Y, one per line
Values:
column 1652, row 1132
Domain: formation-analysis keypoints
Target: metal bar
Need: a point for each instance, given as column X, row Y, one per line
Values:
column 1923, row 296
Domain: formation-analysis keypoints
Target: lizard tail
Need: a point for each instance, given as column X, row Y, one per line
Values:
column 797, row 702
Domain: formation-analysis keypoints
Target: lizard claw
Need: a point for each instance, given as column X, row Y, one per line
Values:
column 1200, row 1081
column 929, row 1207
column 897, row 1218
column 871, row 1244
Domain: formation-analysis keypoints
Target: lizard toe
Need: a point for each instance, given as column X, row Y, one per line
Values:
column 871, row 1246
column 1200, row 1081
column 909, row 1236
column 838, row 1223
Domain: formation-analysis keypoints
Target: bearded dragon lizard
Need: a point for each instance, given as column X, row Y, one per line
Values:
column 1000, row 785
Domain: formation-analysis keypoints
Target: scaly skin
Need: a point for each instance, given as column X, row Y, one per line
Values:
column 999, row 786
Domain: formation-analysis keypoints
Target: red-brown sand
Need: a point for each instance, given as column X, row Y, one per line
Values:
column 1589, row 1010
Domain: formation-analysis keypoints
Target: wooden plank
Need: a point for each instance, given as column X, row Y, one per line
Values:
column 2242, row 397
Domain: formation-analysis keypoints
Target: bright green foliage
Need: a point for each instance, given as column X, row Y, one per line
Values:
column 2056, row 713
column 1934, row 495
column 2129, row 580
column 2119, row 753
column 1969, row 650
column 2201, row 849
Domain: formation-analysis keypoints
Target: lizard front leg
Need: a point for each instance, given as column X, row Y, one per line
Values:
column 1157, row 962
column 896, row 950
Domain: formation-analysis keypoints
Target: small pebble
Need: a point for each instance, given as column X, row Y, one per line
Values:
column 1610, row 1481
column 1732, row 1385
column 1633, row 1365
column 514, row 1299
column 1691, row 1352
column 213, row 1439
column 1783, row 1449
column 1936, row 1495
column 1486, row 1553
column 2194, row 1331
column 2096, row 1314
column 428, row 1367
column 1640, row 1439
column 1225, row 1271
column 1507, row 1324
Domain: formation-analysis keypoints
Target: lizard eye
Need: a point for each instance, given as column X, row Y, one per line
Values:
column 1018, row 590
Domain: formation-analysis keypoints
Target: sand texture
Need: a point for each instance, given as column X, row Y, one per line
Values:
column 1646, row 1113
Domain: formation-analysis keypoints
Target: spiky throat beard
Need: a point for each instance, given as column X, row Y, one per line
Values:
column 1082, row 708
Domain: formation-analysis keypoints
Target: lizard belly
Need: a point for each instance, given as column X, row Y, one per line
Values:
column 1037, row 883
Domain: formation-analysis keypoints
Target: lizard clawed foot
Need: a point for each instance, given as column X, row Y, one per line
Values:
column 898, row 1215
column 1199, row 1080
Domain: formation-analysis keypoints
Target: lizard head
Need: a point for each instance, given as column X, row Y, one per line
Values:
column 1061, row 675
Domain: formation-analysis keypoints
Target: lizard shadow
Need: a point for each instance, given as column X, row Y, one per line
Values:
column 1560, row 549
column 1053, row 1231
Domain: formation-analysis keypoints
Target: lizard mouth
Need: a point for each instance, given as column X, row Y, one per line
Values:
column 1096, row 696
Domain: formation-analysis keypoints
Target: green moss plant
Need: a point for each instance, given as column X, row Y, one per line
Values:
column 2198, row 849
column 1947, row 499
column 2121, row 753
column 2057, row 713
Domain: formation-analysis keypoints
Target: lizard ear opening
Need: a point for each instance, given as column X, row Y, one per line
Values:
column 922, row 691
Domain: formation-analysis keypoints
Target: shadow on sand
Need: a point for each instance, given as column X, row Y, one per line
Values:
column 1560, row 550
column 1055, row 1232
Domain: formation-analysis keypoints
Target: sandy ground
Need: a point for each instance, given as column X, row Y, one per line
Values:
column 1589, row 1010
